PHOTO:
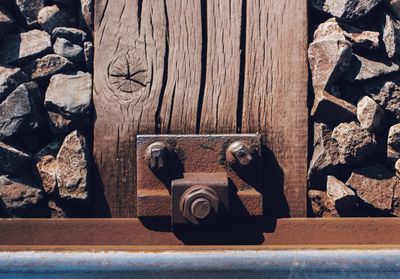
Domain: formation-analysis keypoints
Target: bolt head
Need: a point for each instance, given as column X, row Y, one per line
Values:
column 198, row 203
column 157, row 156
column 239, row 153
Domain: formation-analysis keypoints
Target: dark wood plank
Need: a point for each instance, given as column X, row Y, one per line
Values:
column 222, row 76
column 275, row 91
column 130, row 46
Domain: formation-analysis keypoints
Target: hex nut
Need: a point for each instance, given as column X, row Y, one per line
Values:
column 239, row 153
column 157, row 156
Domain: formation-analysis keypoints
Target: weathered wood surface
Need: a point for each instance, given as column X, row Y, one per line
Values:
column 192, row 66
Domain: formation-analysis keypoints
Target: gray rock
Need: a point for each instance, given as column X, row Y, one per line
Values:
column 48, row 66
column 54, row 16
column 391, row 36
column 30, row 10
column 341, row 196
column 19, row 112
column 345, row 10
column 10, row 78
column 393, row 143
column 20, row 199
column 46, row 166
column 370, row 115
column 325, row 157
column 329, row 57
column 387, row 94
column 355, row 144
column 375, row 186
column 397, row 167
column 72, row 52
column 358, row 37
column 394, row 6
column 72, row 170
column 86, row 16
column 69, row 101
column 7, row 22
column 362, row 68
column 18, row 49
column 12, row 160
column 75, row 36
column 55, row 210
column 332, row 110
column 89, row 56
column 321, row 205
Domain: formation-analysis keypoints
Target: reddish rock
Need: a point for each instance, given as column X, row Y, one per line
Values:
column 332, row 110
column 391, row 36
column 355, row 144
column 321, row 204
column 393, row 143
column 375, row 185
column 325, row 157
column 48, row 66
column 370, row 115
column 341, row 196
column 20, row 199
column 55, row 210
column 329, row 57
column 73, row 166
column 54, row 16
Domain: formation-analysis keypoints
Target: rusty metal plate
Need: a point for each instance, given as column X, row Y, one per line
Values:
column 197, row 154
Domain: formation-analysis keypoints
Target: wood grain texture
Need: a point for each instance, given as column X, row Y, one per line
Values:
column 172, row 66
column 275, row 89
column 221, row 94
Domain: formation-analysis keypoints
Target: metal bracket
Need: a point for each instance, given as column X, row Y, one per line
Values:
column 228, row 165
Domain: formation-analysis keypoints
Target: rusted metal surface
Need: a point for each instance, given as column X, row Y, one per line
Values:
column 162, row 159
column 200, row 198
column 278, row 233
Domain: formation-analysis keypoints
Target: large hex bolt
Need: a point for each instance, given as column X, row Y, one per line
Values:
column 157, row 156
column 239, row 153
column 199, row 203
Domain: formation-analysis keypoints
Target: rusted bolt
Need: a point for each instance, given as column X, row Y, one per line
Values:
column 238, row 153
column 198, row 203
column 157, row 156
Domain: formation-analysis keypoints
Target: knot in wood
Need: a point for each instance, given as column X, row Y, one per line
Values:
column 127, row 73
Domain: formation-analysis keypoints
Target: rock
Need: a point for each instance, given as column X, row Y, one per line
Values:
column 7, row 22
column 362, row 68
column 19, row 112
column 69, row 101
column 370, row 115
column 341, row 196
column 332, row 110
column 20, row 199
column 30, row 10
column 10, row 78
column 391, row 36
column 89, row 56
column 48, row 66
column 86, row 17
column 358, row 37
column 325, row 157
column 397, row 167
column 329, row 57
column 73, row 165
column 75, row 36
column 12, row 160
column 21, row 48
column 374, row 185
column 387, row 95
column 56, row 211
column 393, row 143
column 394, row 6
column 54, row 16
column 46, row 166
column 355, row 144
column 321, row 204
column 345, row 10
column 73, row 53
